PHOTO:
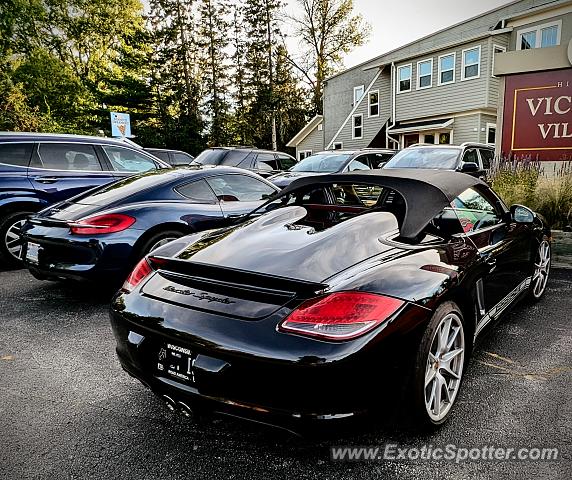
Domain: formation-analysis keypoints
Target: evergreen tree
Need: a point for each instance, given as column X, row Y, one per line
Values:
column 261, row 30
column 213, row 40
column 175, row 73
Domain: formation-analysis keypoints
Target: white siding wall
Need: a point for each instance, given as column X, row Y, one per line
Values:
column 466, row 129
column 314, row 141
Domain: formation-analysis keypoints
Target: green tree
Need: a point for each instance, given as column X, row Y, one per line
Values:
column 261, row 31
column 175, row 73
column 213, row 41
column 328, row 30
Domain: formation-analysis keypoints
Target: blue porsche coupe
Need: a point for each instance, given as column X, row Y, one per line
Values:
column 101, row 234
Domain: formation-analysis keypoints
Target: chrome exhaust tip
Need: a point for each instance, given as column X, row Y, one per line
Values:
column 185, row 409
column 169, row 403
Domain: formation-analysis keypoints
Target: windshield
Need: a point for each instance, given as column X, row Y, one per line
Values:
column 210, row 157
column 438, row 158
column 321, row 162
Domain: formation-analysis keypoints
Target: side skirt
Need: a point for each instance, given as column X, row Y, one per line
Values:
column 496, row 311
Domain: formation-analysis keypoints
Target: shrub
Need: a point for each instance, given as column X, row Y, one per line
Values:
column 525, row 182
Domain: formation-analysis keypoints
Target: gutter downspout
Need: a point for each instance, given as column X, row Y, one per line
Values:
column 393, row 108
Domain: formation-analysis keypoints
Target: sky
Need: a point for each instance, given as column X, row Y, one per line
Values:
column 397, row 22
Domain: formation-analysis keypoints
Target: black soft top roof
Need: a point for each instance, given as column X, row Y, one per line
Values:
column 426, row 192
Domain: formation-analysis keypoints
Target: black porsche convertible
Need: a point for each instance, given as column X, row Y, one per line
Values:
column 336, row 294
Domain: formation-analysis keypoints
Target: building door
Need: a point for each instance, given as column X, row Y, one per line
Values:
column 410, row 139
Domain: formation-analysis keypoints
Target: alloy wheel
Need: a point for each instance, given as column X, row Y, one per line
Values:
column 541, row 269
column 13, row 239
column 444, row 367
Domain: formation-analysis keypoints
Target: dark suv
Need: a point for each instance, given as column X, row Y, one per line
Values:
column 263, row 162
column 37, row 170
column 472, row 158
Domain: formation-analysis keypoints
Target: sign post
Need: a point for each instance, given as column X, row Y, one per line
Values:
column 120, row 125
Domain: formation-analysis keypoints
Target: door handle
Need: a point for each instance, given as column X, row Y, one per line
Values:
column 491, row 262
column 46, row 179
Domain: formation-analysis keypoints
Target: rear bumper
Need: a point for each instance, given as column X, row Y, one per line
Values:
column 62, row 255
column 293, row 390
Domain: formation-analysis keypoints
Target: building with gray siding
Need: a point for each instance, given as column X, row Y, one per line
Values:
column 438, row 89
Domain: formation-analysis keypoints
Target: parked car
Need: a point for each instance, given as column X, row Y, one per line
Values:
column 37, row 170
column 334, row 161
column 284, row 317
column 472, row 158
column 175, row 158
column 101, row 234
column 263, row 162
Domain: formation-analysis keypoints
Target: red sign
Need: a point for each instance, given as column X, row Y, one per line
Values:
column 537, row 121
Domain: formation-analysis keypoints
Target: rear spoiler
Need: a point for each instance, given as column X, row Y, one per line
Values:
column 235, row 278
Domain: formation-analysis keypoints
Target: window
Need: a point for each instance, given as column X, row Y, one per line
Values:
column 542, row 36
column 487, row 156
column 496, row 49
column 302, row 154
column 127, row 160
column 338, row 145
column 267, row 162
column 328, row 162
column 161, row 155
column 471, row 156
column 234, row 157
column 444, row 138
column 426, row 157
column 357, row 130
column 239, row 188
column 471, row 63
column 373, row 103
column 210, row 156
column 17, row 154
column 474, row 211
column 68, row 156
column 286, row 162
column 180, row 158
column 424, row 74
column 447, row 68
column 358, row 93
column 491, row 133
column 197, row 192
column 404, row 78
column 429, row 138
column 357, row 165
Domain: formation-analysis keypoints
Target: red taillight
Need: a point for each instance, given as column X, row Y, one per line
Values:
column 340, row 316
column 109, row 223
column 139, row 273
column 142, row 270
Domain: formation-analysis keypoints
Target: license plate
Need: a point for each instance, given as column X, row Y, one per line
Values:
column 32, row 251
column 176, row 362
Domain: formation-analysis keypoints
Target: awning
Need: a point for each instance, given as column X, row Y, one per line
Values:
column 442, row 124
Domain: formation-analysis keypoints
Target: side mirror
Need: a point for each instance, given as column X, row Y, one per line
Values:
column 469, row 167
column 381, row 164
column 521, row 214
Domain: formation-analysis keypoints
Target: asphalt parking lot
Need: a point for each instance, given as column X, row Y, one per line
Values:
column 67, row 410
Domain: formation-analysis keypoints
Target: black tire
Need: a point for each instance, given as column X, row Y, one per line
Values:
column 7, row 224
column 154, row 239
column 418, row 388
